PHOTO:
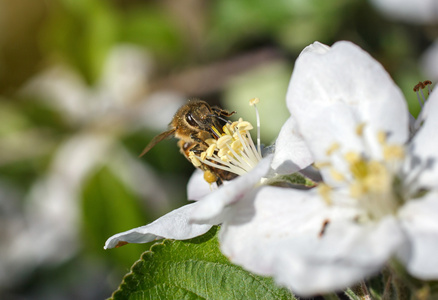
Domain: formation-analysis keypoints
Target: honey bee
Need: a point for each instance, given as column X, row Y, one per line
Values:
column 193, row 124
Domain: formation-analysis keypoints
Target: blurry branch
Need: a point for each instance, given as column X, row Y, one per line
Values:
column 211, row 78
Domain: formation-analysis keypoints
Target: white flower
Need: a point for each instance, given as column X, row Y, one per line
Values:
column 414, row 11
column 45, row 231
column 379, row 200
column 236, row 153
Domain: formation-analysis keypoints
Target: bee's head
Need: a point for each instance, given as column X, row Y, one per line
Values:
column 200, row 116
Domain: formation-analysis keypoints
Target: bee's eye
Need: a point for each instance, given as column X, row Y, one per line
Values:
column 191, row 120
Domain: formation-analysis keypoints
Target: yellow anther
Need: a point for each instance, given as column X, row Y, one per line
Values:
column 254, row 101
column 226, row 130
column 378, row 179
column 232, row 126
column 359, row 169
column 223, row 141
column 360, row 128
column 236, row 145
column 357, row 190
column 337, row 175
column 222, row 152
column 391, row 152
column 203, row 155
column 245, row 126
column 321, row 165
column 325, row 191
column 195, row 161
column 210, row 142
column 335, row 146
column 352, row 157
column 381, row 137
column 225, row 158
column 210, row 150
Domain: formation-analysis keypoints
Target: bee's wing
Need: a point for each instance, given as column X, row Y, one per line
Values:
column 156, row 140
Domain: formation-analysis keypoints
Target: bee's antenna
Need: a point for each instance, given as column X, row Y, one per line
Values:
column 220, row 118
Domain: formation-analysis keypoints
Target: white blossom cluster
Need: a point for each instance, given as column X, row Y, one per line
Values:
column 377, row 202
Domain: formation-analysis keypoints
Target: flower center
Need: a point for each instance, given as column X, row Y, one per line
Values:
column 234, row 151
column 374, row 183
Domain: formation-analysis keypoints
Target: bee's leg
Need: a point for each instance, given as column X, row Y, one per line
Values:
column 219, row 181
column 197, row 150
column 222, row 112
column 198, row 140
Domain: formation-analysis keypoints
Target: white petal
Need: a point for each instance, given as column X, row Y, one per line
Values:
column 284, row 236
column 63, row 89
column 331, row 93
column 291, row 152
column 211, row 209
column 316, row 47
column 174, row 225
column 424, row 147
column 420, row 221
column 197, row 187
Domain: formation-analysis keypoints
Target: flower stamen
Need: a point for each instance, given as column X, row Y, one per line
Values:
column 253, row 102
column 418, row 88
column 373, row 182
column 234, row 150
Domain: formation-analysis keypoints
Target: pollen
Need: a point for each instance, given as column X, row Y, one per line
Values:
column 209, row 177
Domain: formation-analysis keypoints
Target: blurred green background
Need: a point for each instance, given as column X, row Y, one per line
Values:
column 85, row 84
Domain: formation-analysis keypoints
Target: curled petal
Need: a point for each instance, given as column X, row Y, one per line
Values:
column 316, row 47
column 211, row 209
column 174, row 225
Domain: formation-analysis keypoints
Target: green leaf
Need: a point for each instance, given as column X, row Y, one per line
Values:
column 193, row 269
column 110, row 207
